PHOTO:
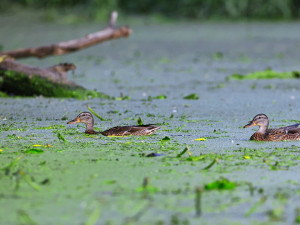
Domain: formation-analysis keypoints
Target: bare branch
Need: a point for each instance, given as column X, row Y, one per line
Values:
column 109, row 33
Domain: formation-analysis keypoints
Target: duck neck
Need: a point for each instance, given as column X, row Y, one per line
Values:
column 263, row 129
column 89, row 128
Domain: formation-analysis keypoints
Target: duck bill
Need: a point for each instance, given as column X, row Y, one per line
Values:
column 76, row 120
column 250, row 124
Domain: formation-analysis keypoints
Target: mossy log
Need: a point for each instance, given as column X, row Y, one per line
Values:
column 20, row 84
column 25, row 80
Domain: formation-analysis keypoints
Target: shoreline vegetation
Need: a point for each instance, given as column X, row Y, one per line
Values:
column 98, row 10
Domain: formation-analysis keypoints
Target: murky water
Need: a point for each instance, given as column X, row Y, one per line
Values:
column 96, row 178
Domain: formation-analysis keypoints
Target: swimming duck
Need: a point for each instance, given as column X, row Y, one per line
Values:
column 139, row 130
column 289, row 133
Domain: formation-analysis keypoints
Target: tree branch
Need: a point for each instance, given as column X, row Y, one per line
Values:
column 110, row 32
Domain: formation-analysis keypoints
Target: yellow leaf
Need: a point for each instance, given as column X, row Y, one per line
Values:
column 247, row 157
column 37, row 145
column 1, row 150
column 200, row 139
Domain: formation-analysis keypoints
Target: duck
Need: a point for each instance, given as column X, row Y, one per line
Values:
column 138, row 130
column 289, row 133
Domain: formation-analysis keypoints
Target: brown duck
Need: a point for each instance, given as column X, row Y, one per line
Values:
column 139, row 130
column 289, row 133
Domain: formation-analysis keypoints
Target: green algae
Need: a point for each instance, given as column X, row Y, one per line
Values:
column 20, row 85
column 265, row 74
column 56, row 126
column 221, row 184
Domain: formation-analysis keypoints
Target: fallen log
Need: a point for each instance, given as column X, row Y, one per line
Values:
column 55, row 74
column 25, row 80
column 109, row 33
column 50, row 82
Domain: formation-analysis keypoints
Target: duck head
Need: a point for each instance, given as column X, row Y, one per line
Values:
column 260, row 120
column 84, row 117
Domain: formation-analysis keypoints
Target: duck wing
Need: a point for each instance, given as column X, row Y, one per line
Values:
column 291, row 132
column 285, row 130
column 139, row 130
column 292, row 128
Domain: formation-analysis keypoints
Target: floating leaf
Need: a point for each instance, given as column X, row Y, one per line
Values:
column 222, row 184
column 1, row 150
column 247, row 157
column 166, row 138
column 191, row 97
column 37, row 145
column 200, row 139
column 194, row 158
column 157, row 97
column 140, row 121
column 92, row 111
column 148, row 188
column 34, row 151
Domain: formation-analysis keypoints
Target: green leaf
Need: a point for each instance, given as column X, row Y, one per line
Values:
column 166, row 138
column 34, row 151
column 157, row 97
column 140, row 121
column 194, row 158
column 222, row 184
column 191, row 97
column 148, row 188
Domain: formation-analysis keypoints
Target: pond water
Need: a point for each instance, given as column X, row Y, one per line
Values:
column 94, row 179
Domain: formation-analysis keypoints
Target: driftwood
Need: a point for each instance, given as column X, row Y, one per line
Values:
column 111, row 32
column 14, row 76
